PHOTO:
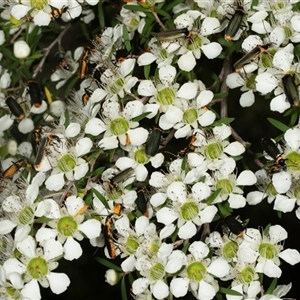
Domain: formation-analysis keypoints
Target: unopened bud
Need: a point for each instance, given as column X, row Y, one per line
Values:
column 21, row 49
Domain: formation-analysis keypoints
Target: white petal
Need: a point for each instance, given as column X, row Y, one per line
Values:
column 31, row 290
column 280, row 103
column 167, row 231
column 91, row 228
column 199, row 250
column 283, row 59
column 208, row 213
column 235, row 148
column 187, row 91
column 247, row 99
column 209, row 26
column 292, row 137
column 146, row 88
column 166, row 216
column 234, row 80
column 236, row 201
column 48, row 208
column 52, row 249
column 277, row 234
column 206, row 291
column 55, row 182
column 207, row 118
column 140, row 285
column 59, row 282
column 6, row 226
column 72, row 249
column 187, row 62
column 138, row 136
column 282, row 182
column 94, row 127
column 291, row 256
column 19, row 11
column 219, row 267
column 255, row 197
column 265, row 83
column 271, row 270
column 146, row 59
column 83, row 146
column 187, row 231
column 167, row 74
column 284, row 203
column 247, row 177
column 179, row 286
column 204, row 98
column 72, row 130
column 128, row 265
column 160, row 290
column 212, row 50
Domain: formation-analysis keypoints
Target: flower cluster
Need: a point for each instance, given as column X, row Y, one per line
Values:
column 141, row 157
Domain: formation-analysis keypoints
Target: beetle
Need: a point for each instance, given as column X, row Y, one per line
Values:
column 153, row 141
column 15, row 108
column 34, row 92
column 235, row 23
column 272, row 150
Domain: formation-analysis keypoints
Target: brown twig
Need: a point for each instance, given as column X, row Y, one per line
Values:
column 48, row 49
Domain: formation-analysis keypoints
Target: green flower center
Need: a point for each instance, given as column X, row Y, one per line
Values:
column 271, row 191
column 166, row 96
column 196, row 271
column 268, row 250
column 140, row 156
column 114, row 193
column 131, row 244
column 26, row 216
column 12, row 293
column 163, row 54
column 230, row 249
column 193, row 41
column 189, row 211
column 225, row 185
column 246, row 275
column 38, row 4
column 119, row 126
column 154, row 247
column 293, row 161
column 250, row 82
column 37, row 267
column 190, row 116
column 67, row 163
column 157, row 271
column 296, row 192
column 213, row 150
column 116, row 86
column 288, row 32
column 66, row 226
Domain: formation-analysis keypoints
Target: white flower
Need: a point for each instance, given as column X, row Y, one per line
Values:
column 33, row 259
column 197, row 274
column 67, row 224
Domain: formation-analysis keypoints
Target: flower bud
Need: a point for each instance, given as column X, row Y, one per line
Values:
column 112, row 277
column 21, row 49
column 12, row 147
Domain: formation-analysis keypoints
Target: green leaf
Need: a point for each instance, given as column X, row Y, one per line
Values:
column 71, row 85
column 140, row 117
column 94, row 154
column 98, row 171
column 213, row 196
column 123, row 289
column 163, row 13
column 170, row 6
column 278, row 125
column 136, row 8
column 229, row 292
column 272, row 286
column 126, row 39
column 147, row 70
column 225, row 121
column 101, row 15
column 108, row 264
column 101, row 198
